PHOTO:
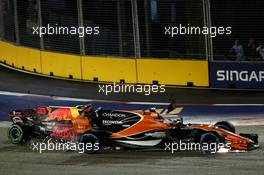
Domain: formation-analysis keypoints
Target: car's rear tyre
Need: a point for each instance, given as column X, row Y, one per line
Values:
column 210, row 142
column 226, row 126
column 16, row 134
column 90, row 143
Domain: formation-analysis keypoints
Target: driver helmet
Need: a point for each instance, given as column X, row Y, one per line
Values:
column 87, row 108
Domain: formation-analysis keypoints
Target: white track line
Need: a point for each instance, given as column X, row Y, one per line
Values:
column 237, row 104
column 76, row 99
column 113, row 101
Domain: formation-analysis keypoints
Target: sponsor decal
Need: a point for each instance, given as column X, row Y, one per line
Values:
column 64, row 132
column 114, row 115
column 41, row 111
column 235, row 75
column 240, row 75
column 111, row 122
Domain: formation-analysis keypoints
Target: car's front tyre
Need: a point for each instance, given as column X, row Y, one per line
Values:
column 210, row 142
column 226, row 126
column 90, row 143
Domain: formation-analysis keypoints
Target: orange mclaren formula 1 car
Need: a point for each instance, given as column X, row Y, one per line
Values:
column 153, row 128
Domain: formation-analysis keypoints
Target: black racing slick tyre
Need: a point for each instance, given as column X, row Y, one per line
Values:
column 90, row 143
column 226, row 126
column 210, row 142
column 16, row 134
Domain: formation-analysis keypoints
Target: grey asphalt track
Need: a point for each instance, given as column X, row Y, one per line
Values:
column 14, row 81
column 17, row 159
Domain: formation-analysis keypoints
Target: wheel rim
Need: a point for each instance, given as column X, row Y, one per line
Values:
column 210, row 139
column 15, row 134
column 90, row 138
